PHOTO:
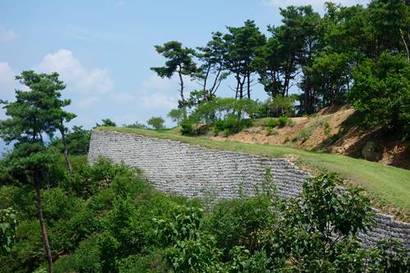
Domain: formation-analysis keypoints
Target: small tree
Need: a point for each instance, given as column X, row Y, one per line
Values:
column 106, row 123
column 156, row 122
column 35, row 113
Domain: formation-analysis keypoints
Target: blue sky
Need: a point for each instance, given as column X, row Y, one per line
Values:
column 103, row 49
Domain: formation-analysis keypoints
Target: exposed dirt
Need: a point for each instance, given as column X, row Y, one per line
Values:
column 333, row 130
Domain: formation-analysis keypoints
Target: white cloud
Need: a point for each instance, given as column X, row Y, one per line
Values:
column 7, row 81
column 76, row 74
column 7, row 84
column 7, row 35
column 158, row 93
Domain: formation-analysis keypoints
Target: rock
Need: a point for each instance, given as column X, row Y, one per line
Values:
column 372, row 151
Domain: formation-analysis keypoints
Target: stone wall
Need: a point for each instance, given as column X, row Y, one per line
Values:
column 190, row 170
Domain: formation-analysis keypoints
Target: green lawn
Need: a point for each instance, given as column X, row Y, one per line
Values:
column 388, row 186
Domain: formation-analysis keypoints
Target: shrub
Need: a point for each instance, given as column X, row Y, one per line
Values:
column 8, row 227
column 153, row 262
column 106, row 123
column 283, row 121
column 272, row 123
column 187, row 127
column 199, row 255
column 278, row 106
column 136, row 125
column 156, row 122
column 237, row 222
column 231, row 125
column 183, row 224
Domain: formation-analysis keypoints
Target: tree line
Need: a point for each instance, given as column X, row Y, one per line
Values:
column 351, row 55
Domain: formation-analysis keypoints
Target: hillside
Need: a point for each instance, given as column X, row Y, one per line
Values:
column 330, row 130
column 388, row 186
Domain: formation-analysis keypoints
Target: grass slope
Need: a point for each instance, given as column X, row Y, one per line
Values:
column 388, row 186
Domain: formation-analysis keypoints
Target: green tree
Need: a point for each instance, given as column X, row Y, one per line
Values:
column 242, row 45
column 107, row 123
column 389, row 26
column 35, row 113
column 330, row 77
column 156, row 122
column 77, row 141
column 212, row 69
column 269, row 63
column 318, row 230
column 381, row 91
column 179, row 61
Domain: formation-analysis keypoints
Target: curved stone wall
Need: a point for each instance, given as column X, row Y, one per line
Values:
column 191, row 170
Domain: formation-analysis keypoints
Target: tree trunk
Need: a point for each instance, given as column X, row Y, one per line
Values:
column 405, row 44
column 67, row 160
column 241, row 84
column 181, row 84
column 44, row 235
column 238, row 81
column 249, row 85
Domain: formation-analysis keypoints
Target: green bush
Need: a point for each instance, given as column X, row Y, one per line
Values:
column 156, row 122
column 237, row 222
column 196, row 255
column 231, row 125
column 283, row 121
column 188, row 128
column 153, row 262
column 278, row 106
column 272, row 123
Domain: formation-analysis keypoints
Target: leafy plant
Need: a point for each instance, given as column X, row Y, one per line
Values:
column 156, row 122
column 8, row 226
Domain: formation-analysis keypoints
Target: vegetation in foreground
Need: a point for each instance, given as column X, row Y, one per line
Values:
column 107, row 218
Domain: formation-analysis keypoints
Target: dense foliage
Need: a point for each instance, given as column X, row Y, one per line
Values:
column 78, row 141
column 382, row 92
column 107, row 218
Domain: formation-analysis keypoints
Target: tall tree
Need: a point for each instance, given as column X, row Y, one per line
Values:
column 179, row 61
column 211, row 72
column 36, row 112
column 58, row 117
column 269, row 63
column 381, row 92
column 329, row 74
column 242, row 46
column 389, row 25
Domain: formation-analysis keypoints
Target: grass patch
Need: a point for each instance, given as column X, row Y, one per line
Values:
column 389, row 186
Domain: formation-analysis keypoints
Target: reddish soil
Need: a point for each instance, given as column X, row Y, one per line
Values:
column 333, row 130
